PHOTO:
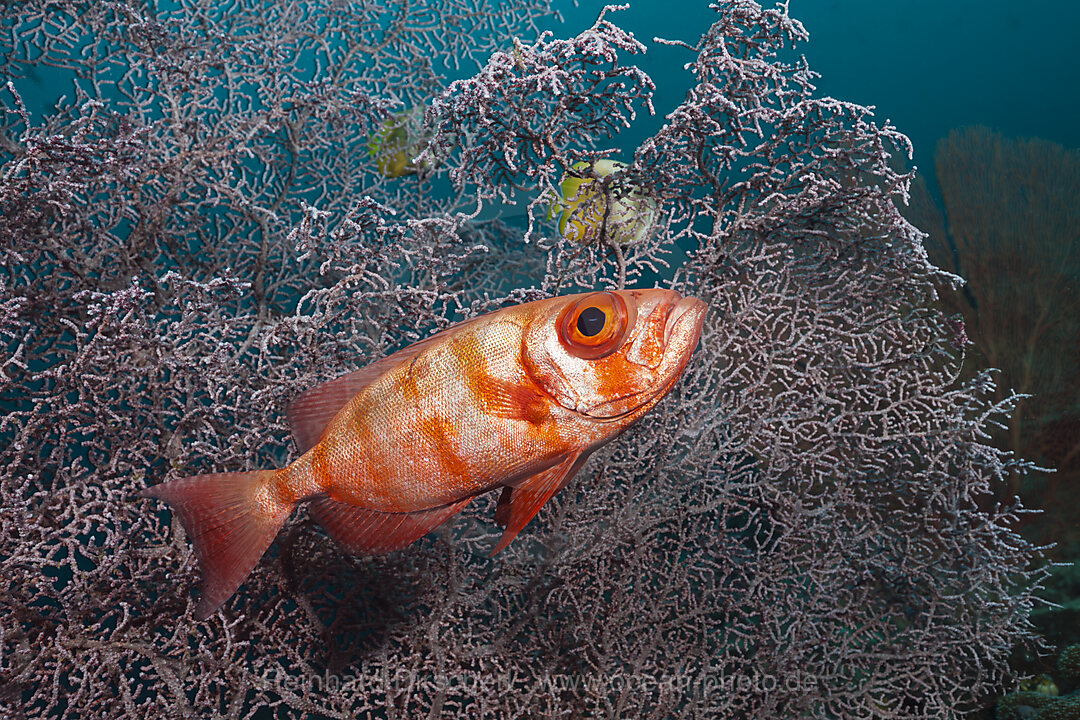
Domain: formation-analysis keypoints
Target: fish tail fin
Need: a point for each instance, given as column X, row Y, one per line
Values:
column 231, row 519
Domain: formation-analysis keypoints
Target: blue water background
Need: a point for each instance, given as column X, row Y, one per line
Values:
column 928, row 66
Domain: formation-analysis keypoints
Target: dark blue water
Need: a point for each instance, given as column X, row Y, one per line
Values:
column 927, row 65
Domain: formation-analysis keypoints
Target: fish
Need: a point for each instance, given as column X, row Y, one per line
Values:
column 623, row 216
column 515, row 400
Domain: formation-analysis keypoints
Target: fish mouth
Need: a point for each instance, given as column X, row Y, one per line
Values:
column 680, row 336
column 685, row 321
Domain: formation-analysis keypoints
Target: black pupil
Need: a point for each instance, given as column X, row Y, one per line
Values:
column 591, row 321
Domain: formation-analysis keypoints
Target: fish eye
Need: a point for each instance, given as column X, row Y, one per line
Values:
column 591, row 321
column 594, row 326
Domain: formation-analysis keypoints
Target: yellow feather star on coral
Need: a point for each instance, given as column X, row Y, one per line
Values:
column 397, row 141
column 619, row 214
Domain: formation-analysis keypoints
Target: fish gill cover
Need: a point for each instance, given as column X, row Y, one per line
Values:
column 201, row 231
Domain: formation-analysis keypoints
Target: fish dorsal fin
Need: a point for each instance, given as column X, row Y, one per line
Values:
column 518, row 504
column 370, row 532
column 313, row 409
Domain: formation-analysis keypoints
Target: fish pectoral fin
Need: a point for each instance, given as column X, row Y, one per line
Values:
column 518, row 504
column 370, row 532
column 512, row 400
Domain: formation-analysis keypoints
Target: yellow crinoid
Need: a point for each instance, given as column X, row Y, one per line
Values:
column 397, row 142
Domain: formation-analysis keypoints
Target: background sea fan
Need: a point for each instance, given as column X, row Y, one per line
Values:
column 199, row 234
column 1010, row 228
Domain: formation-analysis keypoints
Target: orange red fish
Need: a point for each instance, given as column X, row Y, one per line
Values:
column 513, row 400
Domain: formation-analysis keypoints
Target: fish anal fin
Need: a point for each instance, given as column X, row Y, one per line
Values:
column 370, row 532
column 518, row 504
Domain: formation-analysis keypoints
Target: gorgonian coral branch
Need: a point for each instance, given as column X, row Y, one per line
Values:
column 202, row 232
column 525, row 114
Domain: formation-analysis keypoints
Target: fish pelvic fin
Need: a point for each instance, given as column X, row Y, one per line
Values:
column 231, row 519
column 518, row 504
